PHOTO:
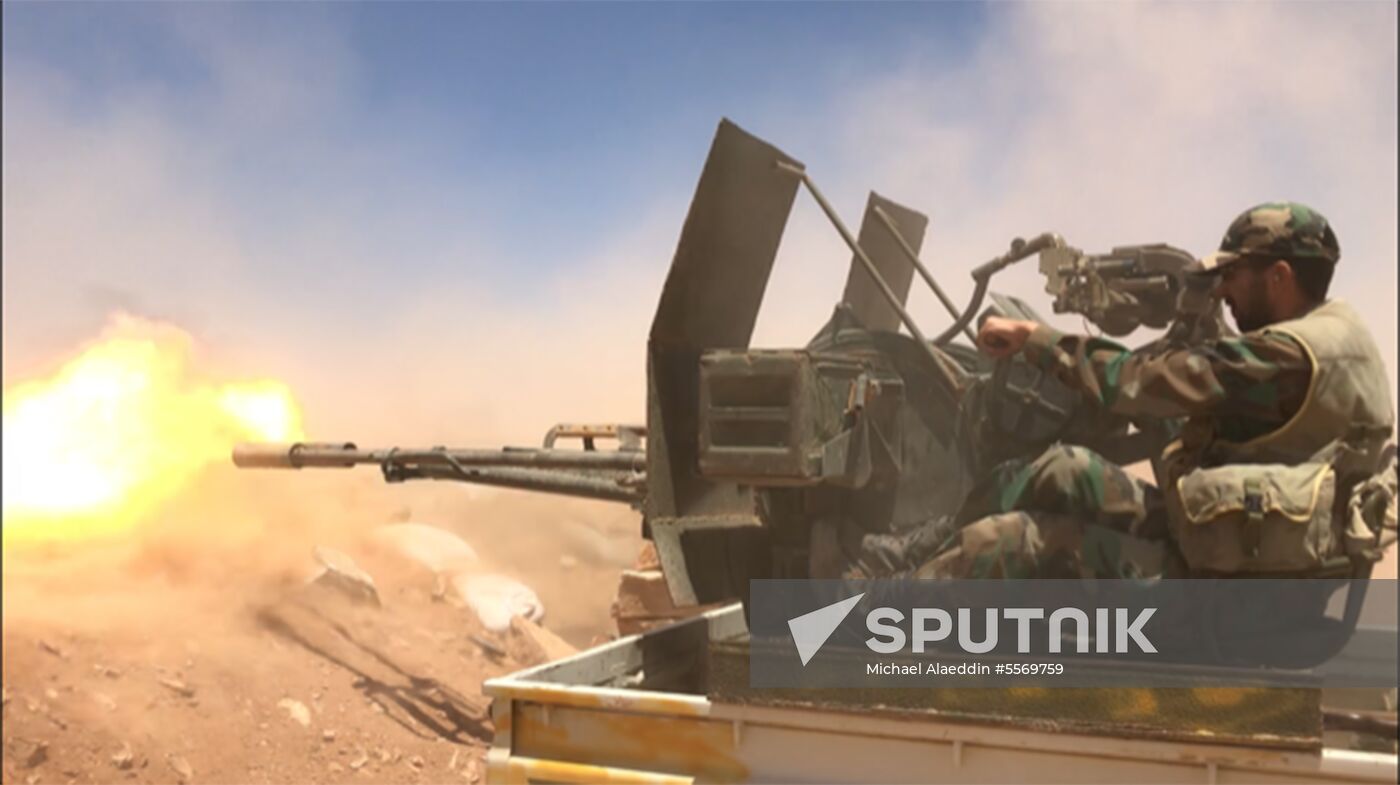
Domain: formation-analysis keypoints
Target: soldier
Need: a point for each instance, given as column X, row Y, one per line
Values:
column 1282, row 422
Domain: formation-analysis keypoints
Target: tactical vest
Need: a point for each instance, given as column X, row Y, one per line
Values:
column 1277, row 503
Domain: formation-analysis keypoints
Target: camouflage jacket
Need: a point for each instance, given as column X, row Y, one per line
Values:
column 1249, row 384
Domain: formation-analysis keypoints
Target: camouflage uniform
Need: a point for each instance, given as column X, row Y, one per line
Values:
column 1066, row 513
column 1069, row 512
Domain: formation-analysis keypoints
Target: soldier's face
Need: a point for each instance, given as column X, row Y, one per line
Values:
column 1246, row 291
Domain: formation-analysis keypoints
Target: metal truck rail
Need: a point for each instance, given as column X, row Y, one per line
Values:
column 635, row 710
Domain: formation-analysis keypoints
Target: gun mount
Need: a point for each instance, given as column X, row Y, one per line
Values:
column 748, row 451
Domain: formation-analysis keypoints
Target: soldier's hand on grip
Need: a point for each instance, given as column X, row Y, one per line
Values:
column 1000, row 337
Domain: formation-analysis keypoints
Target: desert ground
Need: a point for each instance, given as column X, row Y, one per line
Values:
column 191, row 648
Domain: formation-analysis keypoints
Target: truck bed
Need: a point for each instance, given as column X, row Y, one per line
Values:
column 636, row 710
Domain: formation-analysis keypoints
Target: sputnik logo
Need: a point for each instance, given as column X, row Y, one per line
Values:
column 811, row 630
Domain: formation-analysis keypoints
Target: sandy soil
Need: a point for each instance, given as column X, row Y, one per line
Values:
column 197, row 652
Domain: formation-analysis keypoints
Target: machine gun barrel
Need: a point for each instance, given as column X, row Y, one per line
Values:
column 323, row 455
column 609, row 475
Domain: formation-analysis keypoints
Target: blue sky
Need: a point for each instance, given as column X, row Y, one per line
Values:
column 574, row 111
column 393, row 202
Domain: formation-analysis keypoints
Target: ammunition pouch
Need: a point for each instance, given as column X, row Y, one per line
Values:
column 1369, row 524
column 1252, row 518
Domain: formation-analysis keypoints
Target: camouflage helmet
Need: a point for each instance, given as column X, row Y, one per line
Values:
column 1281, row 230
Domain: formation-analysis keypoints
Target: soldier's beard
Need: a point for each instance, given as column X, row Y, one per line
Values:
column 1254, row 312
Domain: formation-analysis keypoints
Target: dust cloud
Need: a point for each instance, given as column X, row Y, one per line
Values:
column 189, row 646
column 232, row 539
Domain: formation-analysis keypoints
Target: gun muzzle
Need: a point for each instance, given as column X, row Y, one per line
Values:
column 291, row 456
column 262, row 456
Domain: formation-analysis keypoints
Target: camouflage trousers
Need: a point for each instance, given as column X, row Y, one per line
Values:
column 1068, row 513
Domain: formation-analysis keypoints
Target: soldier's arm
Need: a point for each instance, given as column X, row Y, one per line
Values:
column 1257, row 376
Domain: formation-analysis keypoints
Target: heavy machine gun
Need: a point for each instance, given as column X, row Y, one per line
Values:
column 748, row 449
column 613, row 475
